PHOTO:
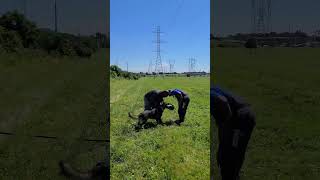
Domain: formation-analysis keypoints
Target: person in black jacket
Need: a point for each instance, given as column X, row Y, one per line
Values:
column 235, row 121
column 154, row 99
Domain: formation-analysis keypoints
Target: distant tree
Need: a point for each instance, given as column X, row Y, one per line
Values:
column 65, row 47
column 9, row 40
column 27, row 30
column 116, row 69
column 251, row 44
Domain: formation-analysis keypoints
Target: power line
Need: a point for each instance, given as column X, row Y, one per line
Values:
column 174, row 19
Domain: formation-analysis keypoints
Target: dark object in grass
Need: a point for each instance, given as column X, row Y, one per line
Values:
column 99, row 172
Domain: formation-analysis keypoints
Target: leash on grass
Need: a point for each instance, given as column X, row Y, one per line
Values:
column 53, row 137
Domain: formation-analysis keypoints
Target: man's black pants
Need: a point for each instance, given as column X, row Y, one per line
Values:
column 233, row 141
column 183, row 106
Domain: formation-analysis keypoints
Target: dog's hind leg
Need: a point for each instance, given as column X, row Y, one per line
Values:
column 141, row 121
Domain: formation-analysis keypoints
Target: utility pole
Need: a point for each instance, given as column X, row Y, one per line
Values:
column 127, row 67
column 55, row 16
column 25, row 8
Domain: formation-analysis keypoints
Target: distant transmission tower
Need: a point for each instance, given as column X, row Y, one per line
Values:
column 158, row 64
column 171, row 65
column 150, row 67
column 192, row 64
column 127, row 66
column 261, row 16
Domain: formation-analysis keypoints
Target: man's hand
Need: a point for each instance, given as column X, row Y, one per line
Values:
column 170, row 107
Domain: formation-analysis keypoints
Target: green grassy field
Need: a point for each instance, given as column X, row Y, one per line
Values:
column 283, row 86
column 161, row 152
column 61, row 97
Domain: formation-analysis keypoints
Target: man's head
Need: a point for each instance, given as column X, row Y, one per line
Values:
column 174, row 92
column 164, row 93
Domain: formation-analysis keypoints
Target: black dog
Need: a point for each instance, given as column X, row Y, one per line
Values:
column 155, row 113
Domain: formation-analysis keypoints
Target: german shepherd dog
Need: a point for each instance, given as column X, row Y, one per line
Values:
column 155, row 113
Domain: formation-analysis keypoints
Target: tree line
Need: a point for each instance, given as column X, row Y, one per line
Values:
column 117, row 72
column 17, row 33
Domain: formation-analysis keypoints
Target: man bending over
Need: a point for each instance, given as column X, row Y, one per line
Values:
column 235, row 121
column 183, row 102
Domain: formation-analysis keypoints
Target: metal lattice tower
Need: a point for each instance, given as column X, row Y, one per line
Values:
column 158, row 64
column 192, row 64
column 261, row 16
column 171, row 64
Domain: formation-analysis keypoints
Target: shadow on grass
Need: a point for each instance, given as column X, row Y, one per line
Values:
column 153, row 125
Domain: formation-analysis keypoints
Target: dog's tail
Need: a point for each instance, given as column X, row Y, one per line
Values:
column 97, row 172
column 131, row 116
column 70, row 172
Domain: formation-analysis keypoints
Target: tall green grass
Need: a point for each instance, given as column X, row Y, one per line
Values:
column 43, row 95
column 161, row 152
column 283, row 86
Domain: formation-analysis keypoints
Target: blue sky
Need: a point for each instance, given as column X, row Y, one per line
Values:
column 233, row 16
column 186, row 27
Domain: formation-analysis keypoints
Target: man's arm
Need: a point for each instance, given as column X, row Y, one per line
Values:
column 221, row 109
